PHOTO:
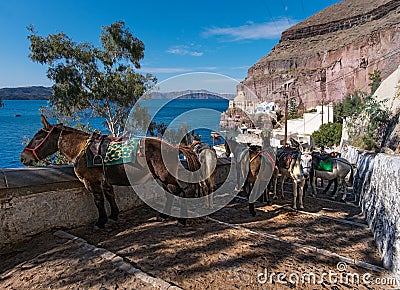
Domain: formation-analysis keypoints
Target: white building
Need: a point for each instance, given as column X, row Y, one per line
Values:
column 245, row 101
column 302, row 129
column 264, row 107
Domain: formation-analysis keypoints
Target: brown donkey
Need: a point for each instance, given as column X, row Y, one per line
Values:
column 72, row 143
column 254, row 168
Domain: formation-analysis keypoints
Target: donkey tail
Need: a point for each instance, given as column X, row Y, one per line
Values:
column 351, row 179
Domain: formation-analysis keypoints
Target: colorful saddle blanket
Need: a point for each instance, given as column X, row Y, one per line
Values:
column 285, row 156
column 116, row 153
column 322, row 162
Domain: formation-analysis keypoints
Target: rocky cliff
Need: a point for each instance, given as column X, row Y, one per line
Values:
column 331, row 53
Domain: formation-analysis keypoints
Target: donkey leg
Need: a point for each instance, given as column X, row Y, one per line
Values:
column 248, row 189
column 239, row 180
column 110, row 196
column 165, row 214
column 335, row 185
column 336, row 192
column 301, row 193
column 313, row 189
column 282, row 184
column 183, row 213
column 99, row 201
column 210, row 194
column 275, row 183
column 344, row 196
column 294, row 194
column 328, row 186
column 267, row 198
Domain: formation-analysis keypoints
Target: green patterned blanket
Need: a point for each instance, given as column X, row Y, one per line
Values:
column 325, row 165
column 118, row 153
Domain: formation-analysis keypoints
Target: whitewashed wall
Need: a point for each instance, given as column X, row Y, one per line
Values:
column 377, row 189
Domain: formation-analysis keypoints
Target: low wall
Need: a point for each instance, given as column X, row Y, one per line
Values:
column 33, row 200
column 377, row 189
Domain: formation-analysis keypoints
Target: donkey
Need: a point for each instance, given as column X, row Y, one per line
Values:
column 208, row 162
column 340, row 169
column 152, row 162
column 240, row 154
column 254, row 169
column 289, row 164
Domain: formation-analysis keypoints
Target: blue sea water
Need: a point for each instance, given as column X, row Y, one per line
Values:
column 202, row 115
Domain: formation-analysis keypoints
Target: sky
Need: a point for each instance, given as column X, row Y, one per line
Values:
column 180, row 37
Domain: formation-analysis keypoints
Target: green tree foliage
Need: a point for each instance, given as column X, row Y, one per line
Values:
column 376, row 80
column 293, row 112
column 329, row 134
column 351, row 105
column 367, row 119
column 93, row 81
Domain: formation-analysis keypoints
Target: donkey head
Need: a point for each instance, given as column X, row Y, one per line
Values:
column 43, row 144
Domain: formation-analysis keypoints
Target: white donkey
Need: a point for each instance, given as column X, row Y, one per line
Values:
column 289, row 164
column 340, row 169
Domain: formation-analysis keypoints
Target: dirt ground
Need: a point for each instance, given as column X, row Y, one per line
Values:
column 209, row 255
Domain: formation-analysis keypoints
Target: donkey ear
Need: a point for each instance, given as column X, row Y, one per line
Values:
column 46, row 125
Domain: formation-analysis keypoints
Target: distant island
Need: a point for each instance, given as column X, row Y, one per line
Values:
column 44, row 93
column 26, row 93
column 191, row 94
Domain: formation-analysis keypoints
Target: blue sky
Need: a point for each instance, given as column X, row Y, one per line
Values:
column 221, row 37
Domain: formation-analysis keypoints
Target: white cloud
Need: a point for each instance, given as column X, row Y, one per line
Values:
column 266, row 30
column 184, row 50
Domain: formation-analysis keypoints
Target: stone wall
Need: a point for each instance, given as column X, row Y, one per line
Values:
column 377, row 189
column 34, row 200
column 38, row 199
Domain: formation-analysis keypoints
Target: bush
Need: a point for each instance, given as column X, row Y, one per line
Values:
column 328, row 134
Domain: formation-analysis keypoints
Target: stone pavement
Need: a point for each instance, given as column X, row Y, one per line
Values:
column 72, row 263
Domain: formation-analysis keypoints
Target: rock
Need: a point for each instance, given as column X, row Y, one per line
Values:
column 331, row 53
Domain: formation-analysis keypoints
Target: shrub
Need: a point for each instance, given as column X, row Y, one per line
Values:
column 328, row 134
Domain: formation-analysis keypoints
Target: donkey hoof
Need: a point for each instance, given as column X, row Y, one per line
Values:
column 253, row 213
column 100, row 225
column 181, row 223
column 162, row 217
column 301, row 207
column 96, row 228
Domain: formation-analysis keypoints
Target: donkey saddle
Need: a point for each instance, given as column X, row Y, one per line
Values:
column 322, row 162
column 285, row 156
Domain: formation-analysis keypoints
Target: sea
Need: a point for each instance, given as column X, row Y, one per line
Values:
column 20, row 120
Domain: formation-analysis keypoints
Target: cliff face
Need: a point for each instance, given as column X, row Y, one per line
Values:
column 331, row 53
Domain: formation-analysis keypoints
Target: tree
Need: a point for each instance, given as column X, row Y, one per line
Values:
column 293, row 109
column 93, row 81
column 351, row 105
column 376, row 80
column 328, row 134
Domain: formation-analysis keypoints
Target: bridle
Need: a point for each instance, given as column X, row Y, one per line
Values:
column 33, row 150
column 305, row 167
